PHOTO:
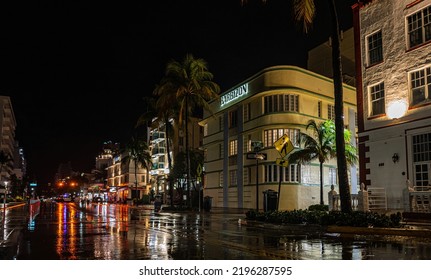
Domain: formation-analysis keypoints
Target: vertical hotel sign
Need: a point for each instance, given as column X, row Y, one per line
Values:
column 234, row 95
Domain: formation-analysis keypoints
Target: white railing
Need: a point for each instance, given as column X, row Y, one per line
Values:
column 359, row 201
column 419, row 199
column 377, row 199
column 416, row 199
column 371, row 199
column 335, row 204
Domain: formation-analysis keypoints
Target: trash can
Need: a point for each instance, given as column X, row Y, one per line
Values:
column 270, row 198
column 208, row 200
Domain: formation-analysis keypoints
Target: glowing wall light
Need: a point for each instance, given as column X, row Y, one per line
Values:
column 397, row 109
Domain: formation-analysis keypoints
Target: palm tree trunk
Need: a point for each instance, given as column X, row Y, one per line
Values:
column 188, row 152
column 344, row 188
column 321, row 183
column 171, row 189
column 136, row 181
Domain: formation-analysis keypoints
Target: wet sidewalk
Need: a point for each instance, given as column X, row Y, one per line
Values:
column 12, row 222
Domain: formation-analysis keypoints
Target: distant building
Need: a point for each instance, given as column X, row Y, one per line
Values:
column 7, row 132
column 393, row 73
column 20, row 163
column 121, row 180
column 64, row 170
column 277, row 101
column 320, row 58
column 159, row 157
column 104, row 159
column 158, row 150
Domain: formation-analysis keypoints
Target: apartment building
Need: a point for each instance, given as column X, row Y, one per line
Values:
column 7, row 133
column 393, row 74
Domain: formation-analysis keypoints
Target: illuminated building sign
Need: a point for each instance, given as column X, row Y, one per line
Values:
column 234, row 95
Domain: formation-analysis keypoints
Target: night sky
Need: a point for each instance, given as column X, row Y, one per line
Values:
column 77, row 72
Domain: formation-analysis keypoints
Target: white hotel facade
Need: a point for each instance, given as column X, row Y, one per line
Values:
column 276, row 101
column 393, row 54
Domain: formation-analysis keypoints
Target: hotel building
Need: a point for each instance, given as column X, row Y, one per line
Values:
column 276, row 101
column 158, row 146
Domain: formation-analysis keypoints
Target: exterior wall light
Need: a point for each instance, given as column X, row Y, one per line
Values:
column 397, row 109
column 395, row 158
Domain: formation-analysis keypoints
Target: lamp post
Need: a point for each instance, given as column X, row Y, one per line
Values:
column 257, row 146
column 4, row 203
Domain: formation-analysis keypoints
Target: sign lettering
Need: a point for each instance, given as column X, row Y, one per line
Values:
column 234, row 94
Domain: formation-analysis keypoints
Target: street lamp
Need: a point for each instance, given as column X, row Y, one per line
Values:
column 4, row 203
column 257, row 146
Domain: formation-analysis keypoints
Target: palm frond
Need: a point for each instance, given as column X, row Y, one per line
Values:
column 304, row 11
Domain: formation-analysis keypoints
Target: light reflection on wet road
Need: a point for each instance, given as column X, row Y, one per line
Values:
column 105, row 231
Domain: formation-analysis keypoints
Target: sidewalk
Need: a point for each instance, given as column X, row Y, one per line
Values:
column 11, row 228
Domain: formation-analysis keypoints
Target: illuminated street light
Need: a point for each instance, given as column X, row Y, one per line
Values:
column 397, row 109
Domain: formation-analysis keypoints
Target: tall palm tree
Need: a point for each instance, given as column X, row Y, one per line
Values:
column 304, row 12
column 321, row 146
column 190, row 84
column 136, row 151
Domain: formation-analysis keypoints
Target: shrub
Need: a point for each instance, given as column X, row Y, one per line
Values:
column 356, row 218
column 318, row 207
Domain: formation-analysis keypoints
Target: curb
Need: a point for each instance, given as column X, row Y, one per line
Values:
column 379, row 231
column 318, row 229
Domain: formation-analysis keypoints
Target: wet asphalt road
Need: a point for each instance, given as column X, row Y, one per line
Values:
column 66, row 231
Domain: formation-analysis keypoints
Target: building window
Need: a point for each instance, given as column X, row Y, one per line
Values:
column 220, row 150
column 319, row 109
column 246, row 112
column 281, row 103
column 233, row 147
column 268, row 173
column 233, row 177
column 220, row 123
column 420, row 83
column 233, row 119
column 332, row 176
column 272, row 135
column 419, row 27
column 291, row 103
column 246, row 172
column 422, row 159
column 221, row 179
column 331, row 112
column 291, row 173
column 377, row 98
column 205, row 129
column 374, row 48
column 248, row 145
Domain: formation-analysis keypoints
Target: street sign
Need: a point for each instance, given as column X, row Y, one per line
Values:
column 262, row 156
column 283, row 145
column 282, row 162
column 199, row 170
column 256, row 145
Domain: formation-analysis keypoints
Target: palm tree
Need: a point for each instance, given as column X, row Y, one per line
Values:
column 321, row 146
column 190, row 84
column 136, row 151
column 304, row 11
